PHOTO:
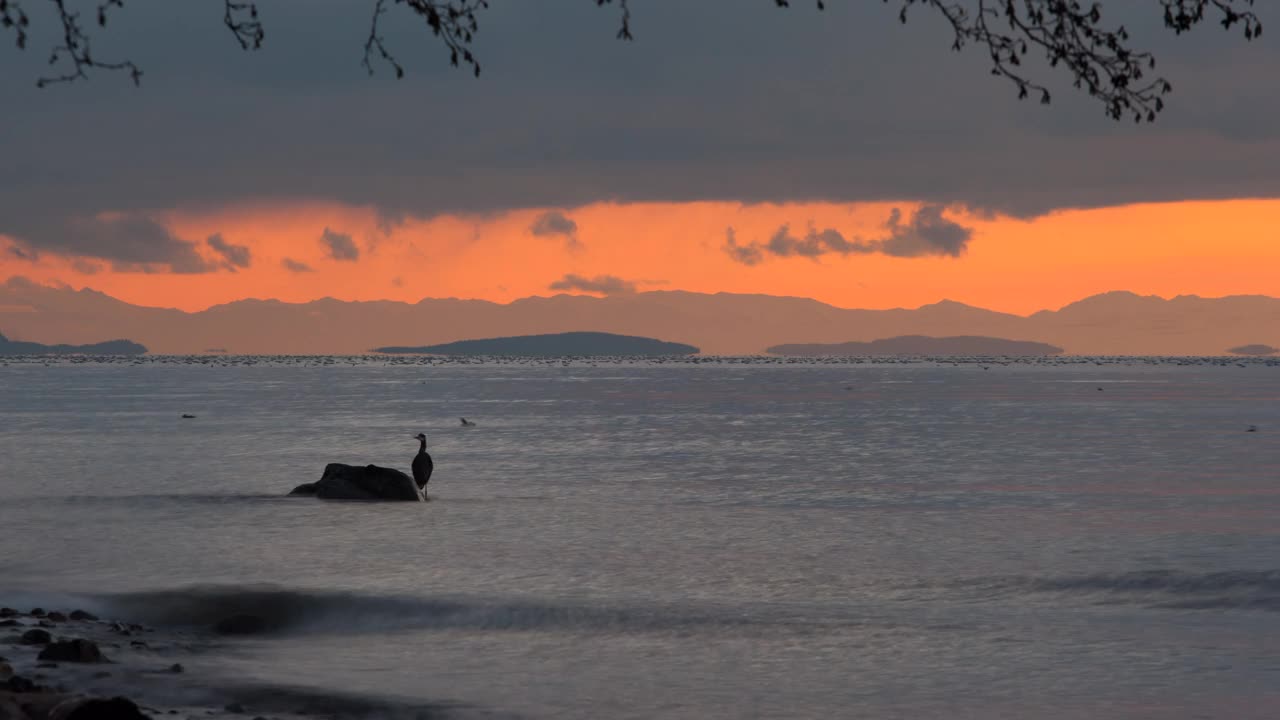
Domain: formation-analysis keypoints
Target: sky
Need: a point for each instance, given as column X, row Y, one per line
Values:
column 731, row 147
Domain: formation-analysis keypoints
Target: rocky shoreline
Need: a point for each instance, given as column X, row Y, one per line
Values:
column 71, row 665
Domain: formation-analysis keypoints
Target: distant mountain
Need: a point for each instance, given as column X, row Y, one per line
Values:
column 555, row 345
column 111, row 347
column 966, row 345
column 1118, row 323
column 1254, row 350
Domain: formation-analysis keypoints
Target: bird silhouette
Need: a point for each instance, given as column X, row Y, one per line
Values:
column 422, row 463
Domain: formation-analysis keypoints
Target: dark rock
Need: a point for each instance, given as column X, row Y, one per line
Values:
column 56, row 617
column 19, row 684
column 10, row 622
column 77, row 650
column 9, row 710
column 370, row 482
column 240, row 625
column 116, row 708
column 40, row 704
column 36, row 637
column 36, row 612
column 46, row 624
column 236, row 708
column 8, row 612
column 137, row 644
column 47, row 665
column 304, row 489
column 102, row 674
column 5, row 669
column 81, row 615
column 177, row 668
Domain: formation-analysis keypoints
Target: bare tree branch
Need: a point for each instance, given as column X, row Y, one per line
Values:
column 453, row 21
column 1071, row 33
column 1068, row 33
column 13, row 18
column 241, row 18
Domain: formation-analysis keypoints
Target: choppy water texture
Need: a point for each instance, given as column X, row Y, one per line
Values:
column 646, row 540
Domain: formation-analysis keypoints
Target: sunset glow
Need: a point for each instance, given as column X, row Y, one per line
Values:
column 1011, row 265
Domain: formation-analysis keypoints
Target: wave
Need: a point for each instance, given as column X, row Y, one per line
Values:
column 1170, row 589
column 269, row 610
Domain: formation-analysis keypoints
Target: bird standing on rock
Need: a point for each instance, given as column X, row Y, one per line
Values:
column 422, row 464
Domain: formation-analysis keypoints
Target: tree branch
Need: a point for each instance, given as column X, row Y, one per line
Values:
column 453, row 21
column 241, row 18
column 1068, row 33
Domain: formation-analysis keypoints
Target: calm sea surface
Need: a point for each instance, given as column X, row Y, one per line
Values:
column 676, row 540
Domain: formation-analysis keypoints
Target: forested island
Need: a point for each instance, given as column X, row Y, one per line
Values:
column 551, row 345
column 969, row 345
column 110, row 347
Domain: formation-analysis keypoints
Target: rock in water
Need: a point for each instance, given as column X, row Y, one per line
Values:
column 116, row 708
column 36, row 637
column 72, row 651
column 352, row 482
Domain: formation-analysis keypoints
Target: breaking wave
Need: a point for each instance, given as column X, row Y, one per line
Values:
column 265, row 610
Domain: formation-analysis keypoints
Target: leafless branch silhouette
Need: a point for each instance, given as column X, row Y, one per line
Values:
column 1068, row 33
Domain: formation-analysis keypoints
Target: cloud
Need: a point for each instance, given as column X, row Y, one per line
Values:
column 554, row 223
column 234, row 256
column 927, row 234
column 746, row 254
column 813, row 244
column 131, row 242
column 341, row 246
column 696, row 123
column 603, row 284
column 28, row 254
column 86, row 267
column 295, row 266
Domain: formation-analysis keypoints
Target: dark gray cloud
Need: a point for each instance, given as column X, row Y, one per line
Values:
column 340, row 246
column 928, row 233
column 554, row 223
column 295, row 266
column 86, row 267
column 130, row 242
column 233, row 256
column 886, row 112
column 749, row 254
column 24, row 254
column 603, row 284
column 813, row 244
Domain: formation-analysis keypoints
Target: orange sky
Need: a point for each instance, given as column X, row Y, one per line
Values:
column 1204, row 248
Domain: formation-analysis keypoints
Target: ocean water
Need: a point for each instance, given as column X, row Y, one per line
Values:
column 673, row 540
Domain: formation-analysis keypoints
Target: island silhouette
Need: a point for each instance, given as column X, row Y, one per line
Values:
column 553, row 345
column 110, row 347
column 921, row 345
